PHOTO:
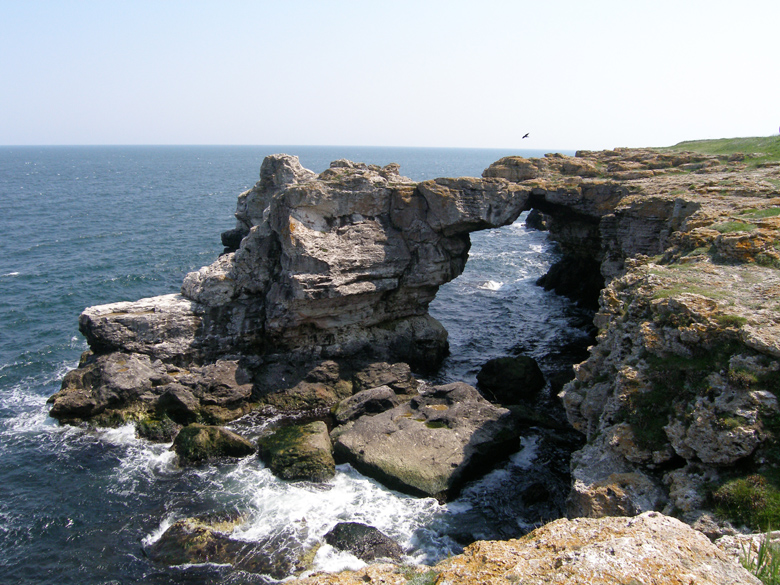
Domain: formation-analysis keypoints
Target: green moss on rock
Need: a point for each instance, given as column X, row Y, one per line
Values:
column 196, row 443
column 299, row 452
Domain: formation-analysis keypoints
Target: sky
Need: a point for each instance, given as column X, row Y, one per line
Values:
column 477, row 74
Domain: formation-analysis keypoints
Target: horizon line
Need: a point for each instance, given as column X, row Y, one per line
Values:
column 286, row 145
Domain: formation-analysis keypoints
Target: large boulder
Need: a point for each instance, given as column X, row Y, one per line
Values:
column 431, row 444
column 299, row 452
column 103, row 382
column 365, row 542
column 510, row 380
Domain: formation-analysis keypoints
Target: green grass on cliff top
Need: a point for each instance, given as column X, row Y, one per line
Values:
column 769, row 147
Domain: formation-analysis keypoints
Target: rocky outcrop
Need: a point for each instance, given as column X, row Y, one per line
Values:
column 431, row 444
column 680, row 392
column 650, row 548
column 325, row 286
column 336, row 266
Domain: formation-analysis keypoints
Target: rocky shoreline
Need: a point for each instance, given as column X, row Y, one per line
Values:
column 320, row 302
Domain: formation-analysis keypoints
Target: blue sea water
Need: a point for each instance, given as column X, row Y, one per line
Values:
column 88, row 225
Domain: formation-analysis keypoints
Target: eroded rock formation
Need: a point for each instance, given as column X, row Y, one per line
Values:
column 681, row 387
column 331, row 266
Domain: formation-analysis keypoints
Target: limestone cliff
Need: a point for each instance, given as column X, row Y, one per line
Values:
column 340, row 265
column 680, row 392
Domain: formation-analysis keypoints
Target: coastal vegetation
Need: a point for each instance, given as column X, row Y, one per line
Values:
column 761, row 149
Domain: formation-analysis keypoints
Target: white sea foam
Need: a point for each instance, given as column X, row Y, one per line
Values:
column 157, row 533
column 491, row 285
column 529, row 448
column 332, row 560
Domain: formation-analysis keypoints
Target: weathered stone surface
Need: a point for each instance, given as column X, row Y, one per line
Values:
column 196, row 443
column 650, row 548
column 163, row 327
column 510, row 380
column 431, row 444
column 365, row 542
column 179, row 404
column 299, row 452
column 366, row 402
column 207, row 539
column 328, row 265
column 222, row 383
column 105, row 381
column 396, row 376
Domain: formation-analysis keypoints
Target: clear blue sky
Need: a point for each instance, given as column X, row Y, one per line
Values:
column 574, row 74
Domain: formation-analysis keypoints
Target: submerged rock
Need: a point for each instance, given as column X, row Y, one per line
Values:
column 431, row 444
column 365, row 542
column 299, row 452
column 197, row 443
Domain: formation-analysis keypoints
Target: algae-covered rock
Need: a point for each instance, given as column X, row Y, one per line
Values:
column 158, row 430
column 299, row 452
column 196, row 443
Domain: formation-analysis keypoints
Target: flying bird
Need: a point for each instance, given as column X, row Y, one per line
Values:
column 526, row 135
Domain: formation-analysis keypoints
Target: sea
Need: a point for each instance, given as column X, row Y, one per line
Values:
column 88, row 225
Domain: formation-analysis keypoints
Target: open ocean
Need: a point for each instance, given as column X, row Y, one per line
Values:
column 88, row 225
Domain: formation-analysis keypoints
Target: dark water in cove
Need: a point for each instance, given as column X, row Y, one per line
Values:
column 89, row 225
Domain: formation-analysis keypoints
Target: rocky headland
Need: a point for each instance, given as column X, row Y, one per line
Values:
column 318, row 311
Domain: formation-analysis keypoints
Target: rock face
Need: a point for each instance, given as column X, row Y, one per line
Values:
column 431, row 444
column 681, row 387
column 650, row 548
column 348, row 261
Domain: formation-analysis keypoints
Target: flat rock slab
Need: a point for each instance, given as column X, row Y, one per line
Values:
column 432, row 444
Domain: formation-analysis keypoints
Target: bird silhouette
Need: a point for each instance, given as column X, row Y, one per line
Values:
column 526, row 135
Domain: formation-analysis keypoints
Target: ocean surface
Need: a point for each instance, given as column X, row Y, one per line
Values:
column 83, row 226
